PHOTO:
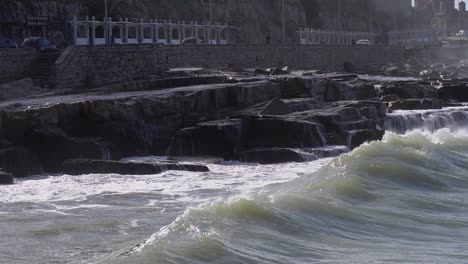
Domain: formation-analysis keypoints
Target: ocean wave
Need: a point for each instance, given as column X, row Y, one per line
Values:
column 402, row 197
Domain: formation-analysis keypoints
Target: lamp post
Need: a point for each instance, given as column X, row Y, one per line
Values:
column 211, row 22
column 106, row 29
column 284, row 23
column 339, row 15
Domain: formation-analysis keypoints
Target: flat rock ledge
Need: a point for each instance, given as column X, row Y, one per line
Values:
column 6, row 178
column 85, row 166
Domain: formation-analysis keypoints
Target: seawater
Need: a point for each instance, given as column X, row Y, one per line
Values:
column 400, row 200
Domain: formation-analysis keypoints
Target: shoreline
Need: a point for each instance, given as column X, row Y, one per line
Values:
column 242, row 116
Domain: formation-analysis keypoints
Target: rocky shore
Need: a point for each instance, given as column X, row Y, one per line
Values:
column 250, row 116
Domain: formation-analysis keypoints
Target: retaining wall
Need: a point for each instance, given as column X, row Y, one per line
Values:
column 101, row 65
column 14, row 63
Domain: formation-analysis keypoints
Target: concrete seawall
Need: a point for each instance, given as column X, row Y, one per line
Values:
column 14, row 63
column 101, row 65
column 92, row 66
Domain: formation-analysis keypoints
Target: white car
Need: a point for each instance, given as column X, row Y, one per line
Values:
column 364, row 42
column 444, row 44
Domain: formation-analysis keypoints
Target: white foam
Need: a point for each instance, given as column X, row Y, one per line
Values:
column 229, row 177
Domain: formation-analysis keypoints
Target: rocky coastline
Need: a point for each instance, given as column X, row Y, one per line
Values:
column 262, row 116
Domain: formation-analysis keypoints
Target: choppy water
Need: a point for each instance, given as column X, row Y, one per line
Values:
column 401, row 200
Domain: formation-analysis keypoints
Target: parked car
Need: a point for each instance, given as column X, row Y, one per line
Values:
column 462, row 33
column 444, row 44
column 363, row 42
column 192, row 41
column 39, row 43
column 5, row 43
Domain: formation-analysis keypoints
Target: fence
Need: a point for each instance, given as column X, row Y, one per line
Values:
column 124, row 31
column 317, row 36
column 413, row 37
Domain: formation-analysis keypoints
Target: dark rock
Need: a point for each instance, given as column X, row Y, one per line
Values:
column 303, row 104
column 349, row 90
column 283, row 133
column 293, row 87
column 389, row 98
column 349, row 67
column 20, row 162
column 282, row 155
column 272, row 156
column 53, row 147
column 261, row 72
column 220, row 138
column 359, row 137
column 408, row 90
column 275, row 107
column 6, row 178
column 5, row 144
column 83, row 166
column 278, row 71
column 415, row 104
column 438, row 74
column 457, row 92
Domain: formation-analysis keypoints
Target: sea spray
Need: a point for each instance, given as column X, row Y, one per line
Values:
column 401, row 200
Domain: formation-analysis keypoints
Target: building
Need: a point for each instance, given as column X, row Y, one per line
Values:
column 39, row 18
column 443, row 15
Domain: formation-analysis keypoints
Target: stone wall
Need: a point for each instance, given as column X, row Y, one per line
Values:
column 14, row 63
column 101, row 65
column 92, row 66
column 294, row 56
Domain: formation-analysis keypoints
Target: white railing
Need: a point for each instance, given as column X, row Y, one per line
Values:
column 124, row 31
column 308, row 36
column 413, row 37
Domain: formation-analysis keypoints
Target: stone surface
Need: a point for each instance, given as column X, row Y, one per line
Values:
column 415, row 104
column 283, row 155
column 19, row 88
column 6, row 178
column 457, row 92
column 84, row 166
column 221, row 138
column 20, row 162
column 359, row 137
column 408, row 90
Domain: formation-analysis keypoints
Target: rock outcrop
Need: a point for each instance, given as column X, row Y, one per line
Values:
column 84, row 166
column 236, row 116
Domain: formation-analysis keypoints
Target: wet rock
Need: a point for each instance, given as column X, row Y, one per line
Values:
column 415, row 104
column 6, row 178
column 261, row 72
column 303, row 104
column 279, row 71
column 293, row 87
column 83, row 166
column 349, row 90
column 20, row 162
column 457, row 92
column 359, row 137
column 53, row 147
column 275, row 107
column 408, row 90
column 283, row 133
column 389, row 98
column 273, row 155
column 341, row 118
column 220, row 138
column 283, row 155
column 434, row 74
